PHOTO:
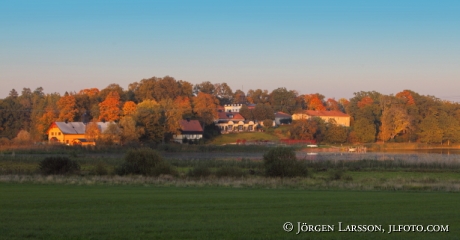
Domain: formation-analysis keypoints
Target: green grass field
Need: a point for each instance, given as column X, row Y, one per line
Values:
column 59, row 211
column 249, row 136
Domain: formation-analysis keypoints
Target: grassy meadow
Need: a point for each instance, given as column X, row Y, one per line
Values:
column 222, row 192
column 60, row 211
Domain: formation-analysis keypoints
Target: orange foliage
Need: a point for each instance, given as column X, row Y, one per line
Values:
column 110, row 108
column 129, row 108
column 313, row 102
column 89, row 91
column 366, row 101
column 67, row 108
column 344, row 102
column 205, row 105
column 332, row 105
column 46, row 120
column 183, row 105
column 407, row 96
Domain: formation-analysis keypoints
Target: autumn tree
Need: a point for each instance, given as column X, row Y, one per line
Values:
column 262, row 112
column 109, row 90
column 67, row 108
column 332, row 105
column 129, row 132
column 92, row 131
column 148, row 118
column 205, row 107
column 258, row 96
column 204, row 87
column 129, row 108
column 394, row 120
column 111, row 135
column 406, row 95
column 239, row 97
column 109, row 109
column 183, row 105
column 307, row 129
column 170, row 117
column 246, row 112
column 223, row 92
column 314, row 102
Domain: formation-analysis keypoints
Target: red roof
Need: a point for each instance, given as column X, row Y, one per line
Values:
column 230, row 116
column 282, row 115
column 190, row 126
column 326, row 113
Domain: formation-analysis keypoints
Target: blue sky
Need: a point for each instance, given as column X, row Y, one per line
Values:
column 331, row 47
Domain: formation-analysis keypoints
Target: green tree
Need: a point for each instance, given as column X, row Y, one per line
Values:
column 308, row 129
column 335, row 133
column 246, row 112
column 429, row 130
column 148, row 117
column 263, row 111
column 364, row 130
column 283, row 100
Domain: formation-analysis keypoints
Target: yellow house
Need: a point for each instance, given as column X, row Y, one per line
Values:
column 339, row 117
column 71, row 133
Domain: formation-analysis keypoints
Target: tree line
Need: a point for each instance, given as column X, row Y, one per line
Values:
column 150, row 110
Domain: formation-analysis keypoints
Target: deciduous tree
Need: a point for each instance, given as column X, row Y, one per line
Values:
column 67, row 108
column 109, row 109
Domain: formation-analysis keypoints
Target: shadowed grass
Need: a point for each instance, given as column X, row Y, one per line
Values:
column 141, row 212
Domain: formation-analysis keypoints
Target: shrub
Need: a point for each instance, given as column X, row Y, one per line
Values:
column 58, row 165
column 100, row 169
column 144, row 161
column 282, row 162
column 199, row 171
column 229, row 172
column 4, row 141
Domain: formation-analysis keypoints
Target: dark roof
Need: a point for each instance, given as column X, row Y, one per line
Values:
column 190, row 126
column 226, row 116
column 282, row 115
column 77, row 127
column 326, row 113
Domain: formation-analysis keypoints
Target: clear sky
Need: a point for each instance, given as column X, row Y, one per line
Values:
column 333, row 47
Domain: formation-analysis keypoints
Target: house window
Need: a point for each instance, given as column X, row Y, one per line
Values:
column 240, row 128
column 230, row 127
column 59, row 133
column 67, row 141
column 250, row 127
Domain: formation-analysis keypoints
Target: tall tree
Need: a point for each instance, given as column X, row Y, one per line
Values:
column 129, row 108
column 205, row 107
column 314, row 102
column 429, row 130
column 364, row 130
column 204, row 87
column 148, row 118
column 335, row 133
column 263, row 111
column 67, row 107
column 394, row 121
column 258, row 96
column 184, row 106
column 224, row 93
column 283, row 100
column 109, row 109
